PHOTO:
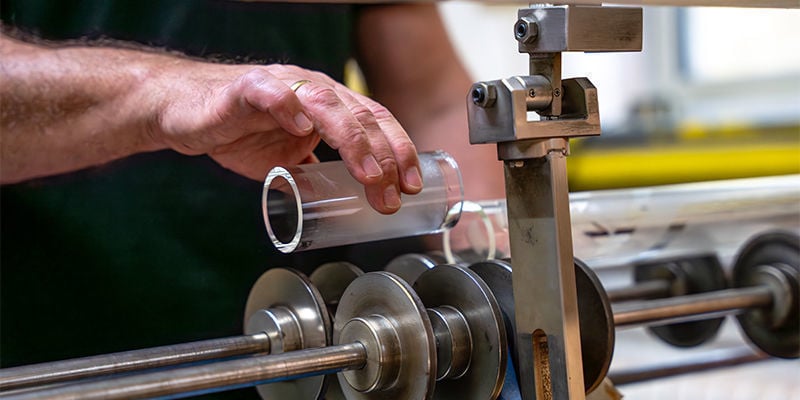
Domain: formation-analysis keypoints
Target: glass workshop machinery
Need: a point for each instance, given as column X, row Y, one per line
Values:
column 461, row 330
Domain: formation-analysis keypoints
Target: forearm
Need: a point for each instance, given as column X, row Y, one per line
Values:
column 69, row 108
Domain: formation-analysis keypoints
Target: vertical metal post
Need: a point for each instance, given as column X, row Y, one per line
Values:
column 534, row 154
column 548, row 336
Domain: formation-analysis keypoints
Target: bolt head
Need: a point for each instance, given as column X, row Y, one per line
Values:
column 526, row 30
column 483, row 94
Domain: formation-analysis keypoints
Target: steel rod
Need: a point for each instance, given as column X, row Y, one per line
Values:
column 644, row 290
column 677, row 309
column 86, row 367
column 702, row 362
column 212, row 377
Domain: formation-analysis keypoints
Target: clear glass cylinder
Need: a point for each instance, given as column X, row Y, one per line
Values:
column 320, row 205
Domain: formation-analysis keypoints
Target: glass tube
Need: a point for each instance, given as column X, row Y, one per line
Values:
column 315, row 206
column 616, row 227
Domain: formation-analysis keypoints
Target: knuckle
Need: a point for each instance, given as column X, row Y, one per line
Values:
column 253, row 77
column 363, row 114
column 323, row 96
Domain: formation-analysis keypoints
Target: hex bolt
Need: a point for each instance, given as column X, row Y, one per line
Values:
column 526, row 30
column 483, row 94
column 556, row 92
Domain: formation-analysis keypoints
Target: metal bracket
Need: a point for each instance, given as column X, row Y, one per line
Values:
column 534, row 152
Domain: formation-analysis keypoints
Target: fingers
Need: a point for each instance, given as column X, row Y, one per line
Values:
column 374, row 147
column 351, row 127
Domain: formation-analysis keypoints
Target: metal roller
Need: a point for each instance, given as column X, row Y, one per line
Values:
column 332, row 279
column 594, row 313
column 284, row 304
column 689, row 275
column 766, row 297
column 410, row 266
column 469, row 330
column 382, row 312
column 772, row 260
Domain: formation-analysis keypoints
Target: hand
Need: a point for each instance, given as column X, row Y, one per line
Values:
column 249, row 120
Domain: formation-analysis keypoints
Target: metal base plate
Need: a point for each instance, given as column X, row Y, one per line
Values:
column 594, row 312
column 781, row 252
column 280, row 287
column 697, row 275
column 387, row 295
column 411, row 266
column 465, row 291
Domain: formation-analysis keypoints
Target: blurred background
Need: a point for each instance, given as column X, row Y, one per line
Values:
column 714, row 94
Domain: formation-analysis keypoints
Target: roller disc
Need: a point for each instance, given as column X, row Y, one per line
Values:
column 280, row 287
column 331, row 279
column 594, row 313
column 389, row 296
column 410, row 266
column 464, row 290
column 772, row 259
column 696, row 275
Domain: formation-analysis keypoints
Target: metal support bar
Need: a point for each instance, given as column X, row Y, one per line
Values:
column 684, row 308
column 548, row 336
column 86, row 367
column 213, row 377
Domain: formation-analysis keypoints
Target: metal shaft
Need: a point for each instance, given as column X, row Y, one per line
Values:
column 684, row 308
column 644, row 290
column 59, row 371
column 703, row 362
column 212, row 377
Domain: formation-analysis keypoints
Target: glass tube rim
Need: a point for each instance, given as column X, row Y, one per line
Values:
column 281, row 172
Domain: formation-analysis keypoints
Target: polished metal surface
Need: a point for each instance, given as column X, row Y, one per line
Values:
column 331, row 279
column 645, row 290
column 688, row 275
column 596, row 320
column 691, row 307
column 579, row 28
column 547, row 323
column 772, row 260
column 386, row 294
column 410, row 266
column 106, row 364
column 377, row 334
column 208, row 378
column 534, row 151
column 464, row 291
column 291, row 292
column 597, row 326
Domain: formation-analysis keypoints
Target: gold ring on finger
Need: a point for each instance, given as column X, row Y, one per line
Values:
column 299, row 83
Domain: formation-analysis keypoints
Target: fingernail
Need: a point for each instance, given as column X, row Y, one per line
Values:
column 371, row 167
column 390, row 197
column 413, row 178
column 302, row 122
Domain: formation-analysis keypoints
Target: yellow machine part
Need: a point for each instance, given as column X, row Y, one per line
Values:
column 692, row 155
